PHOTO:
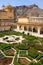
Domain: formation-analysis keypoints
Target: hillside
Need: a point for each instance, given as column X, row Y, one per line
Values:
column 32, row 10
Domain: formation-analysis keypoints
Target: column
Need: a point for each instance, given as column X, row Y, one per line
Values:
column 32, row 31
column 38, row 31
column 22, row 28
column 17, row 27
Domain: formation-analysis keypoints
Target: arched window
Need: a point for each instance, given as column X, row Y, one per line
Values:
column 35, row 30
column 41, row 31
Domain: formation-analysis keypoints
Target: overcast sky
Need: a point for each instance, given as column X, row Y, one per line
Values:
column 22, row 2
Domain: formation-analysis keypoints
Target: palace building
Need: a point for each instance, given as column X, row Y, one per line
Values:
column 24, row 19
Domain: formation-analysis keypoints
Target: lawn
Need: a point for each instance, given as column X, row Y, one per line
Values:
column 3, row 33
column 4, row 46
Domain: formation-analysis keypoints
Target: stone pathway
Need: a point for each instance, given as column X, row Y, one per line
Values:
column 40, row 52
column 11, row 39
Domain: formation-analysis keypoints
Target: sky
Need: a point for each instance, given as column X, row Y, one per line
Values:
column 22, row 2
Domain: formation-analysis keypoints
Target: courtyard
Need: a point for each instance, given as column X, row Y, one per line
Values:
column 29, row 50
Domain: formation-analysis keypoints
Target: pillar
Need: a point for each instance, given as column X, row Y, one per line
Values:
column 38, row 31
column 23, row 28
column 17, row 27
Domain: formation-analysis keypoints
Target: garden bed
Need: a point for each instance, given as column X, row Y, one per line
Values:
column 5, row 61
column 24, row 60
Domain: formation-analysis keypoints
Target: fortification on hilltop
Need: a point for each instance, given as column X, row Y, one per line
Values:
column 25, row 19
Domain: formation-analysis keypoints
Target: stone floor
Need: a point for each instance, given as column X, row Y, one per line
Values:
column 11, row 39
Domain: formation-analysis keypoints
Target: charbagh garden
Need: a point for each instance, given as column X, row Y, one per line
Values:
column 27, row 52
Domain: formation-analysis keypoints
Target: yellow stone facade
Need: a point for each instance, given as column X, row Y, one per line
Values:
column 32, row 26
column 24, row 24
column 7, row 12
column 23, row 20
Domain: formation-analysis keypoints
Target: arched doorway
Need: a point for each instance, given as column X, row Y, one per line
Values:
column 41, row 31
column 25, row 28
column 30, row 29
column 13, row 27
column 20, row 27
column 35, row 29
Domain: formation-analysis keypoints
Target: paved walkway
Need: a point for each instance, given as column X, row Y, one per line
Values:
column 11, row 38
column 40, row 52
